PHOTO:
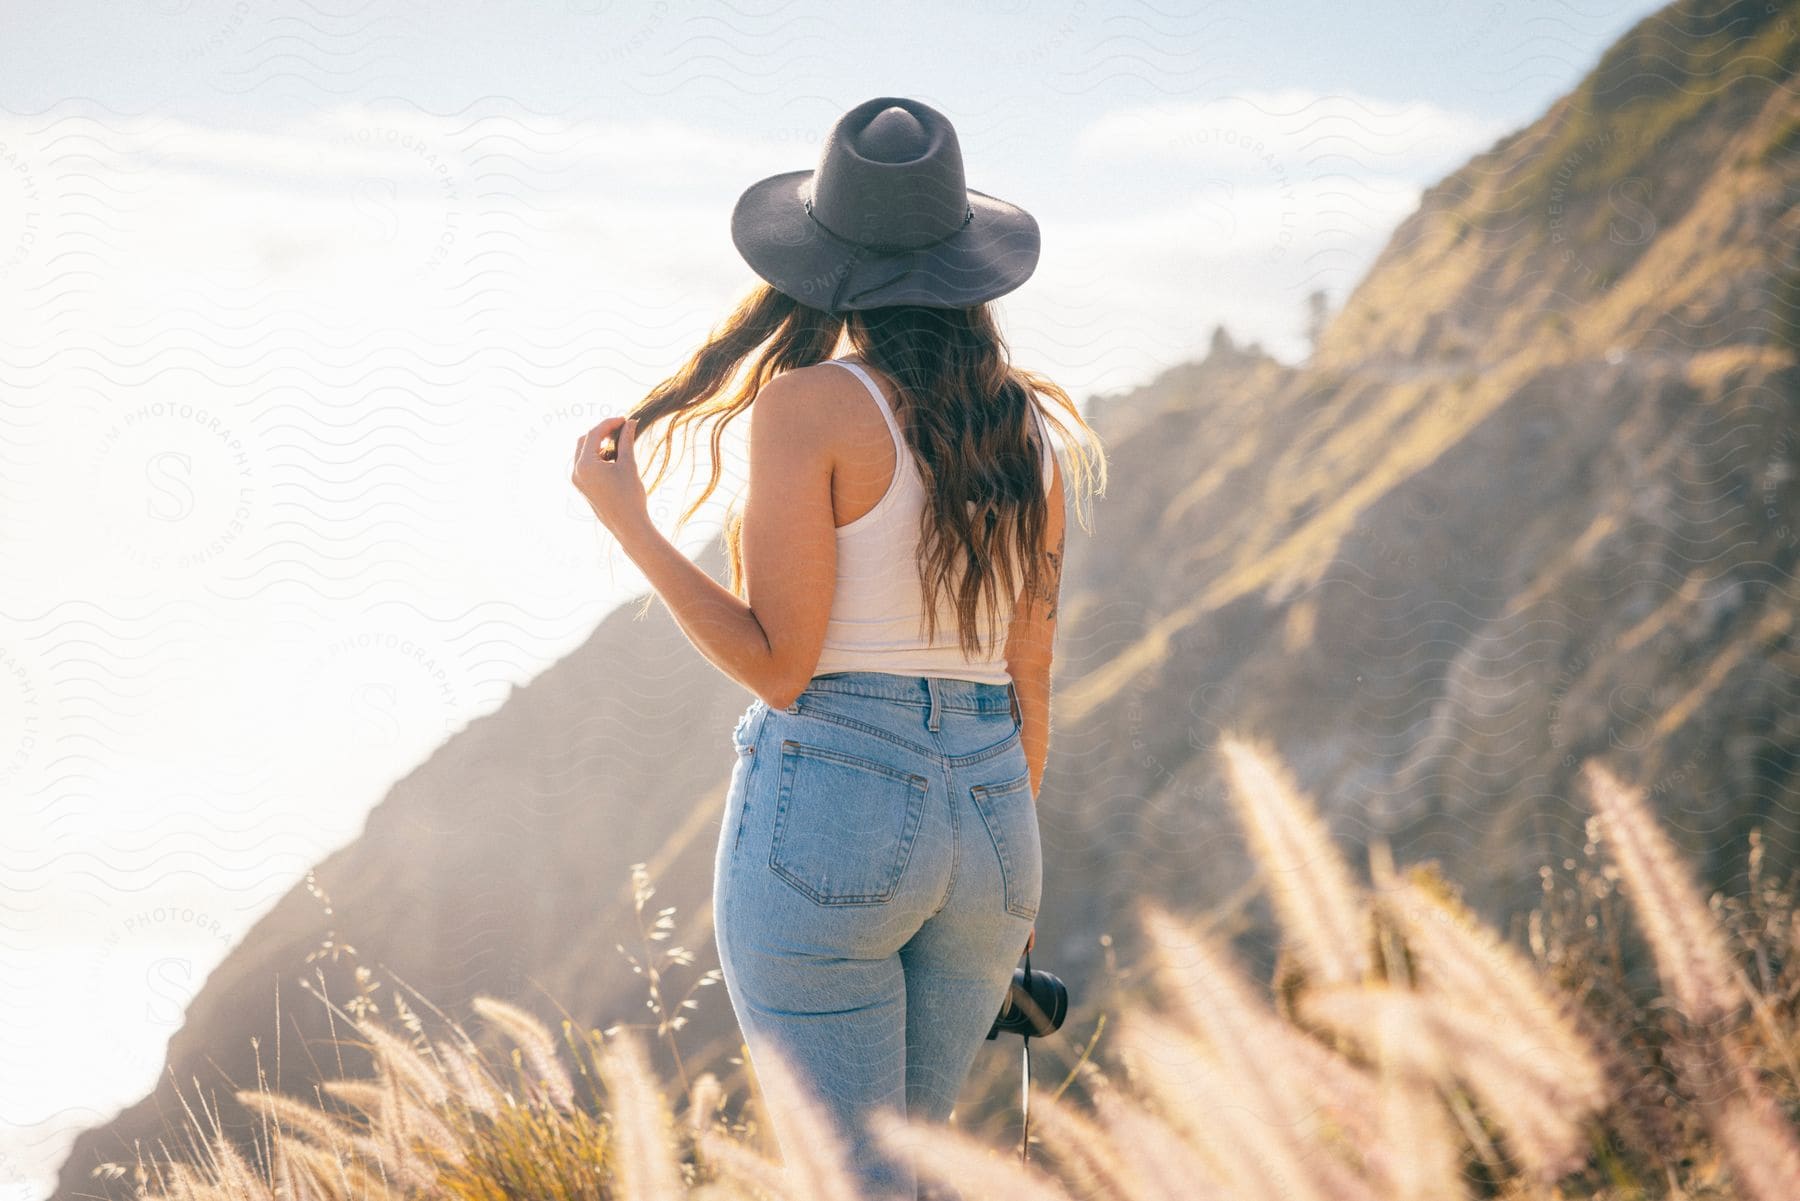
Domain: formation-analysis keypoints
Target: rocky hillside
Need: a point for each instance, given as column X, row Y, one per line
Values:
column 1535, row 498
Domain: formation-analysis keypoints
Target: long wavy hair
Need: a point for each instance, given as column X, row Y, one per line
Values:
column 962, row 407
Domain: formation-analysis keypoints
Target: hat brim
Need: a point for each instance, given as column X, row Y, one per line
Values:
column 995, row 253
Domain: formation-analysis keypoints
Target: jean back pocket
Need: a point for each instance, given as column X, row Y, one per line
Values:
column 1011, row 818
column 844, row 824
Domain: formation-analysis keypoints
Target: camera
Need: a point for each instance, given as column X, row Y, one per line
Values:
column 1036, row 1004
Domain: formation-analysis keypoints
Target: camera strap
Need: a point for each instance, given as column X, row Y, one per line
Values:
column 1025, row 1084
column 1025, row 1103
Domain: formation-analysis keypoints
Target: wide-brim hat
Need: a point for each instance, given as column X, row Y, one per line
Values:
column 885, row 218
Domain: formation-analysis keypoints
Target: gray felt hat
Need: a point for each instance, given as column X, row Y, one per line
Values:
column 885, row 218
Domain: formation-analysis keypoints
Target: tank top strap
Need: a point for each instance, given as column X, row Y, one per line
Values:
column 881, row 403
column 1049, row 452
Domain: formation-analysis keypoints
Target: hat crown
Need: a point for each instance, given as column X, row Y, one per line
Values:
column 890, row 176
column 893, row 136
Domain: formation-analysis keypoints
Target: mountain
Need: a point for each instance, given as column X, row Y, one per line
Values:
column 1535, row 497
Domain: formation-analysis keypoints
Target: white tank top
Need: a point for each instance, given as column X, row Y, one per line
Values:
column 877, row 602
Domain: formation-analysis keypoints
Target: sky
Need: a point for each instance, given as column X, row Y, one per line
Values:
column 307, row 304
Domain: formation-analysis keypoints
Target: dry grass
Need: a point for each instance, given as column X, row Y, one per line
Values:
column 1415, row 1055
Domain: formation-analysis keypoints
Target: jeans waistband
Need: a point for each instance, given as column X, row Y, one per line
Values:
column 951, row 694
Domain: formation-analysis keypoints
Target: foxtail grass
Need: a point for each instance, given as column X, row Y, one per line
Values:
column 1712, row 1043
column 1407, row 1051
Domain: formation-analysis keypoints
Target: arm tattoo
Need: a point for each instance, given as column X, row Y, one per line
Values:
column 1050, row 585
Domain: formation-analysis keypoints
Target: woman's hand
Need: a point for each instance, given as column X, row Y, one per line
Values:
column 1031, row 940
column 606, row 474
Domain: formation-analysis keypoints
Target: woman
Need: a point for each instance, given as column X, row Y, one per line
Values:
column 879, row 868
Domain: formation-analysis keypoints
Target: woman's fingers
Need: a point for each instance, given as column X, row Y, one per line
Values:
column 603, row 439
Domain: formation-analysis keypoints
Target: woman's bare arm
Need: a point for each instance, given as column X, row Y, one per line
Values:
column 771, row 643
column 1030, row 642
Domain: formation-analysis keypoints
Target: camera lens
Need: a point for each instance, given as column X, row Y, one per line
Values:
column 1036, row 1005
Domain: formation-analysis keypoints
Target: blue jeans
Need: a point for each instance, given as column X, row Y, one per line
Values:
column 877, row 875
